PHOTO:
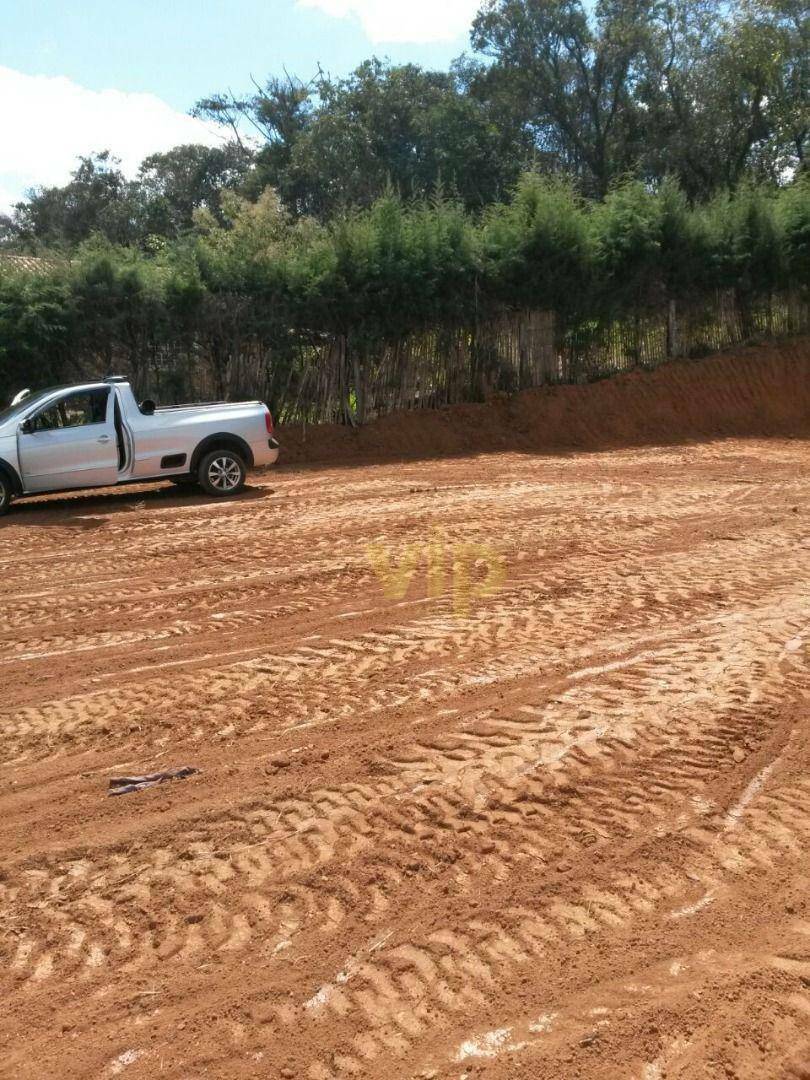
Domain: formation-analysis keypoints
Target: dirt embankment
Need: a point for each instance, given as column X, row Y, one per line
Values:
column 759, row 390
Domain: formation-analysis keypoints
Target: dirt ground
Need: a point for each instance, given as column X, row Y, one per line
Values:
column 504, row 772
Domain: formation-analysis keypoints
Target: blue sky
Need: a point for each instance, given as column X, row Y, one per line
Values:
column 76, row 77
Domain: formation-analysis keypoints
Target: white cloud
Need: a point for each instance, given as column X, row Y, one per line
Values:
column 404, row 20
column 47, row 122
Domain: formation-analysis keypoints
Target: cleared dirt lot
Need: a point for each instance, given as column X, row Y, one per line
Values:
column 558, row 830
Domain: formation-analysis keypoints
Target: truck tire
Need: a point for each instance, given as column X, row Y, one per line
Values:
column 5, row 494
column 221, row 473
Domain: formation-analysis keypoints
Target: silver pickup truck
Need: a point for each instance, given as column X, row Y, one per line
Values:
column 96, row 434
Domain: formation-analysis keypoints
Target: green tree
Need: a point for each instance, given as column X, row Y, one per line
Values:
column 37, row 324
column 571, row 76
column 722, row 93
column 793, row 210
column 746, row 249
column 98, row 199
column 769, row 43
column 278, row 113
column 171, row 186
column 537, row 247
column 340, row 143
column 698, row 89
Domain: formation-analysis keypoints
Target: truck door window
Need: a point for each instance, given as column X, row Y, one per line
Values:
column 77, row 410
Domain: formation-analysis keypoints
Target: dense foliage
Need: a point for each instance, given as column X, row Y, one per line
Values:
column 253, row 279
column 594, row 161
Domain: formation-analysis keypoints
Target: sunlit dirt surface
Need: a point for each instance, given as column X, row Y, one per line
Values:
column 505, row 772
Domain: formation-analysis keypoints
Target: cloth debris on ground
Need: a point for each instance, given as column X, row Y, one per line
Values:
column 123, row 785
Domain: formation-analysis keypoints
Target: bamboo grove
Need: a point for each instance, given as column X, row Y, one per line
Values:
column 413, row 303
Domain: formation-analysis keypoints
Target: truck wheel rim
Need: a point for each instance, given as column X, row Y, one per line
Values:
column 224, row 474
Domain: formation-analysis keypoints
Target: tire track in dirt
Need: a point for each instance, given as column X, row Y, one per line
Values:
column 485, row 788
column 534, row 614
column 412, row 823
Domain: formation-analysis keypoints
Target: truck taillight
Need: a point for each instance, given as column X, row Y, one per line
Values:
column 268, row 419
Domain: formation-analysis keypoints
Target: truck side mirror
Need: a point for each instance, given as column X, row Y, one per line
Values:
column 27, row 426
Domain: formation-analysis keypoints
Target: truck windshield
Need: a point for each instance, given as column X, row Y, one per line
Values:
column 20, row 409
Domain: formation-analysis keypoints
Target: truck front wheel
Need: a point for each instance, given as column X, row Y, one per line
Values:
column 5, row 494
column 221, row 472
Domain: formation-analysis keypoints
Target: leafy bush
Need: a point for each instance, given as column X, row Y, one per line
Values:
column 256, row 283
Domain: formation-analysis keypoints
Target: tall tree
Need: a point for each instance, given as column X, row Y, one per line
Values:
column 572, row 77
column 336, row 143
column 701, row 89
column 722, row 94
column 277, row 112
column 770, row 45
column 172, row 185
column 98, row 199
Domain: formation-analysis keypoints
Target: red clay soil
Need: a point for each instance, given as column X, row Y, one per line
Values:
column 758, row 390
column 552, row 828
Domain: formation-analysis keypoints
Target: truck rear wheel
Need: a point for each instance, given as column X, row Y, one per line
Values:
column 221, row 472
column 5, row 494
